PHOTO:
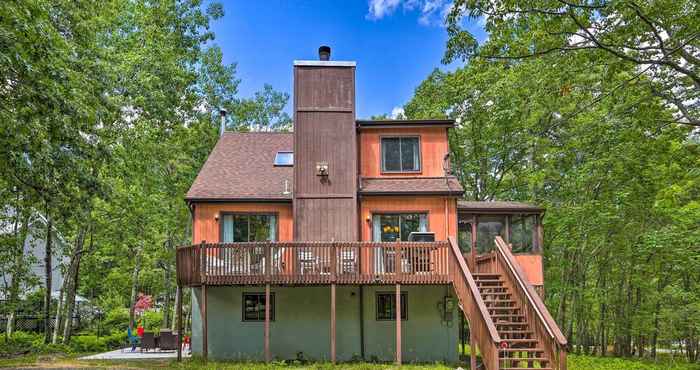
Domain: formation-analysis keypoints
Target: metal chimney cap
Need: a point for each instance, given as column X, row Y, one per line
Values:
column 324, row 52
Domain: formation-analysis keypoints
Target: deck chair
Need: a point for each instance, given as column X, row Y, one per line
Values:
column 148, row 342
column 168, row 340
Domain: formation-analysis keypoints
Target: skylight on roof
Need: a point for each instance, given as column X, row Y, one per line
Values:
column 284, row 159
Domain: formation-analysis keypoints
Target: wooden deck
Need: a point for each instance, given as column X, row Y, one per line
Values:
column 313, row 263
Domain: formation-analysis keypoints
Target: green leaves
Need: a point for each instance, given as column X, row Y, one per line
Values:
column 583, row 134
column 660, row 38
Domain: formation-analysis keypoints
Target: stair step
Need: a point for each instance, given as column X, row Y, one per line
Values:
column 535, row 350
column 515, row 332
column 509, row 315
column 499, row 308
column 521, row 340
column 526, row 359
column 489, row 282
column 510, row 323
column 485, row 274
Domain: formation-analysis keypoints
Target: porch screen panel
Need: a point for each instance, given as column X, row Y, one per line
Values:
column 487, row 229
column 522, row 233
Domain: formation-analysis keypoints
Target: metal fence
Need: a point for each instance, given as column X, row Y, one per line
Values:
column 34, row 323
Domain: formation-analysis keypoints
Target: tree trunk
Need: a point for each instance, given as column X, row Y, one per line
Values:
column 47, row 280
column 134, row 287
column 59, row 313
column 603, row 340
column 177, row 304
column 72, row 279
column 166, row 308
column 20, row 230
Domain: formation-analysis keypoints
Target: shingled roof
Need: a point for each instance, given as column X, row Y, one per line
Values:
column 410, row 185
column 240, row 167
column 497, row 206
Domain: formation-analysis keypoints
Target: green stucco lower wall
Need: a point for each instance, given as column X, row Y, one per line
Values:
column 302, row 325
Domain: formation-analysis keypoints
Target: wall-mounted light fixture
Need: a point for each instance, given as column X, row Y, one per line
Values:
column 322, row 169
column 216, row 217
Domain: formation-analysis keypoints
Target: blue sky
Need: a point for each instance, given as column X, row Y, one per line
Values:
column 396, row 43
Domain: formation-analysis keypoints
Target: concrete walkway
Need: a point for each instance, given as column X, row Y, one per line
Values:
column 126, row 354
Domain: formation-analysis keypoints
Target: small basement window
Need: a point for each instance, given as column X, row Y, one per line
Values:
column 386, row 306
column 254, row 306
column 284, row 159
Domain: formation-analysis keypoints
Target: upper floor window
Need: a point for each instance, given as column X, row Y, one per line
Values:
column 401, row 154
column 248, row 228
column 284, row 159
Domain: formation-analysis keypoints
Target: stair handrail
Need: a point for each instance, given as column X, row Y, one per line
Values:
column 534, row 299
column 489, row 355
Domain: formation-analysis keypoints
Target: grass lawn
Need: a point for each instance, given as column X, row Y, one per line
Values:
column 575, row 363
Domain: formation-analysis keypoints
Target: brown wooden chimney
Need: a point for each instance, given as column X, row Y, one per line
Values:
column 325, row 150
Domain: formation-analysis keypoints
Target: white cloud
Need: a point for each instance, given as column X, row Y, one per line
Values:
column 431, row 12
column 397, row 113
column 380, row 8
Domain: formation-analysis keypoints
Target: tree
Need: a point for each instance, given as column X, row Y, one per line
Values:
column 660, row 38
column 618, row 182
column 263, row 112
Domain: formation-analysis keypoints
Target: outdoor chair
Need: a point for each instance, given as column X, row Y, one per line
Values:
column 148, row 342
column 348, row 262
column 308, row 262
column 168, row 340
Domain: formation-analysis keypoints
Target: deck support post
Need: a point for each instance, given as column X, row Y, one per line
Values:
column 398, row 323
column 473, row 249
column 562, row 359
column 268, row 358
column 205, row 324
column 179, row 322
column 472, row 349
column 333, row 323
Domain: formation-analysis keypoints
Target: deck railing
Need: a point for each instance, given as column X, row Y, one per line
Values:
column 313, row 263
column 502, row 262
column 472, row 304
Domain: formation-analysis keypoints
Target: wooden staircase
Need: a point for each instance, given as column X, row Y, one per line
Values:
column 523, row 350
column 508, row 321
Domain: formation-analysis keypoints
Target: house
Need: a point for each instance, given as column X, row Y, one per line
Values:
column 347, row 239
column 34, row 254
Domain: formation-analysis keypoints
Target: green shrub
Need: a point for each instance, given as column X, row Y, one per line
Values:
column 19, row 342
column 88, row 343
column 152, row 321
column 22, row 339
column 116, row 340
column 52, row 348
column 116, row 320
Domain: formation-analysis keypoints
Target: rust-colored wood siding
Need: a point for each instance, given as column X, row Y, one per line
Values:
column 435, row 206
column 324, row 131
column 433, row 147
column 205, row 227
column 532, row 267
